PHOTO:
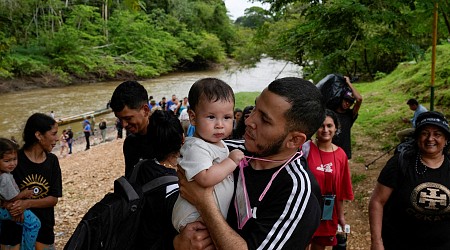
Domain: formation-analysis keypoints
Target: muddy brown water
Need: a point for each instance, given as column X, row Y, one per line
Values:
column 73, row 100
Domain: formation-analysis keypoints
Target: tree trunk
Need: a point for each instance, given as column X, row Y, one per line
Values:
column 446, row 20
column 367, row 64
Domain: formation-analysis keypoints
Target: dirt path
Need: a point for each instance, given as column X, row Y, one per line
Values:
column 89, row 175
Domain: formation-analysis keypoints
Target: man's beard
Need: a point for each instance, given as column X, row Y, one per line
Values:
column 272, row 148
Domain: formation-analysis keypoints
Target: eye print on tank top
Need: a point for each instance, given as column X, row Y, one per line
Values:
column 431, row 198
column 38, row 184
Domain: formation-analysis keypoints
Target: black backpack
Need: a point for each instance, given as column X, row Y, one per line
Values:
column 332, row 87
column 112, row 223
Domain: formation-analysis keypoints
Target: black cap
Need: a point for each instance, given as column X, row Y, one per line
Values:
column 432, row 118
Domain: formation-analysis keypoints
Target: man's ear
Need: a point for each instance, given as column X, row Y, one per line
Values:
column 191, row 114
column 296, row 139
column 146, row 110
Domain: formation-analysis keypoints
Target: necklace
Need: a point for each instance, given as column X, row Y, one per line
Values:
column 425, row 167
column 329, row 186
column 167, row 164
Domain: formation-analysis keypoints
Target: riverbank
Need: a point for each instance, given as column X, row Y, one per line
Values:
column 52, row 81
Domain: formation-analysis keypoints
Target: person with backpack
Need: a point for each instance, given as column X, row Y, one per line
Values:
column 409, row 207
column 347, row 116
column 155, row 228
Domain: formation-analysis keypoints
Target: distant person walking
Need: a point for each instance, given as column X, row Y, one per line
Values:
column 69, row 139
column 87, row 133
column 119, row 129
column 418, row 109
column 102, row 127
column 63, row 143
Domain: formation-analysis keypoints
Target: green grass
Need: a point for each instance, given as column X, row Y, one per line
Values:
column 244, row 99
column 357, row 178
column 385, row 99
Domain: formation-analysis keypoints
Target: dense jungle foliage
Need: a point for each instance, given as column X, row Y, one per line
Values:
column 352, row 37
column 107, row 39
column 74, row 40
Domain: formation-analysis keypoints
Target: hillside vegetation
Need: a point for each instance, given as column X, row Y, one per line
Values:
column 385, row 99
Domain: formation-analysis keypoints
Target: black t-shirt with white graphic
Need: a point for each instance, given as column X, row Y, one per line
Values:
column 417, row 214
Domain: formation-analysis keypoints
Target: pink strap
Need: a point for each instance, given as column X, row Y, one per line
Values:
column 244, row 162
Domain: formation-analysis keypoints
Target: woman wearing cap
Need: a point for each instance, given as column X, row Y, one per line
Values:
column 410, row 205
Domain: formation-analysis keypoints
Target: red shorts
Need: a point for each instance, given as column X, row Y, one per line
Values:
column 324, row 240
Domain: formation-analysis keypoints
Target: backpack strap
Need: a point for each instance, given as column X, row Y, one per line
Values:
column 122, row 186
column 305, row 148
column 158, row 182
column 136, row 168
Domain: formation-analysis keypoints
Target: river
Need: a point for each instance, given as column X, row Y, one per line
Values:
column 73, row 100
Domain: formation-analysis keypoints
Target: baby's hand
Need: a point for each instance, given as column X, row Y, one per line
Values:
column 18, row 218
column 27, row 193
column 236, row 155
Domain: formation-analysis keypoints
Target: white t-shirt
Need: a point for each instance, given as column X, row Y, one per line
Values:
column 198, row 155
column 184, row 116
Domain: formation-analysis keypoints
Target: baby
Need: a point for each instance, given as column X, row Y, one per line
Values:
column 205, row 157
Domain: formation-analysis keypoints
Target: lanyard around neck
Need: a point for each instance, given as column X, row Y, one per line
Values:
column 244, row 162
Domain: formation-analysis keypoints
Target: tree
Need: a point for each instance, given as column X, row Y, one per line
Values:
column 348, row 36
column 254, row 17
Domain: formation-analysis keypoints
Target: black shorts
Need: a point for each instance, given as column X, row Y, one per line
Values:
column 11, row 234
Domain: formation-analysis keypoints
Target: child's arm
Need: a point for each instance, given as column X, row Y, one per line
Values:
column 217, row 172
column 24, row 194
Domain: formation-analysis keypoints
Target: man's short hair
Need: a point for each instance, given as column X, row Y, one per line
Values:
column 307, row 111
column 212, row 89
column 412, row 101
column 129, row 93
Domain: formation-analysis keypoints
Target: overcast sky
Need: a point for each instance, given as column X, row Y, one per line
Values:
column 236, row 8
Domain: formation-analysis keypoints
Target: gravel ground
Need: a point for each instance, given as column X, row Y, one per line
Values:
column 87, row 176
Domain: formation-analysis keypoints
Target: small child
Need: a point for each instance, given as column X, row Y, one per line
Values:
column 205, row 157
column 9, row 191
